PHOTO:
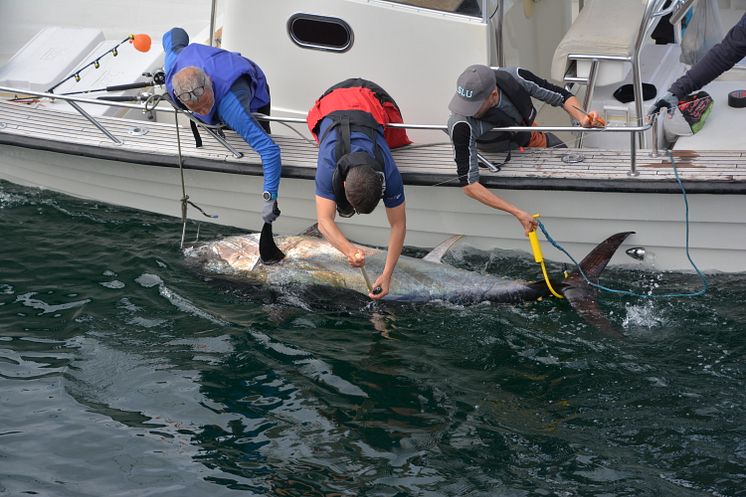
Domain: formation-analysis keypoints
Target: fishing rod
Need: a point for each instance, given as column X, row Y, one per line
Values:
column 156, row 78
column 128, row 86
column 141, row 43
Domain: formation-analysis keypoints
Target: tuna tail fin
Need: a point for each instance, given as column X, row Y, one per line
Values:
column 582, row 296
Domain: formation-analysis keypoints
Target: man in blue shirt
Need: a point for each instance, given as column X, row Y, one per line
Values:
column 223, row 87
column 355, row 169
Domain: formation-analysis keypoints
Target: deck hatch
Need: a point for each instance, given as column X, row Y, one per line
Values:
column 320, row 33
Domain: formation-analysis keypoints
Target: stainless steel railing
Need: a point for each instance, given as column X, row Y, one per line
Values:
column 74, row 101
column 653, row 9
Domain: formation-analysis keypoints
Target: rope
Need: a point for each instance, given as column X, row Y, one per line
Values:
column 185, row 202
column 635, row 294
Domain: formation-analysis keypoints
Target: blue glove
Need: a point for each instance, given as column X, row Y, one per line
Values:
column 270, row 211
column 670, row 101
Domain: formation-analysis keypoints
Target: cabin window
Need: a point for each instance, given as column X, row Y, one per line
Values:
column 320, row 33
column 472, row 8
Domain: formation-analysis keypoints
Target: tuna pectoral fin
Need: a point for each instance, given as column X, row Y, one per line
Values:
column 436, row 254
column 312, row 231
column 583, row 297
column 269, row 252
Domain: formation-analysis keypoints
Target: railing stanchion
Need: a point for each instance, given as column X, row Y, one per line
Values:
column 633, row 155
column 93, row 121
column 654, row 133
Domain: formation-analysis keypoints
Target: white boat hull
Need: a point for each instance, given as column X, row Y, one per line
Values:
column 577, row 220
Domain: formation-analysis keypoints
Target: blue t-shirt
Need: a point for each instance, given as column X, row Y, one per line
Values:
column 393, row 195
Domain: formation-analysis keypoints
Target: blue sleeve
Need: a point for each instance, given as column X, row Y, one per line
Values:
column 173, row 42
column 325, row 163
column 716, row 61
column 234, row 111
column 325, row 167
column 393, row 196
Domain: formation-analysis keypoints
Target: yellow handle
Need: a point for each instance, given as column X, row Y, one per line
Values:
column 535, row 247
column 533, row 239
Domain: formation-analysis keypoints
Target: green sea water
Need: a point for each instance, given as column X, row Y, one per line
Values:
column 124, row 373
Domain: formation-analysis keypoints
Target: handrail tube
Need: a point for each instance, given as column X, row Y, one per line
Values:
column 93, row 121
column 654, row 145
column 608, row 129
column 575, row 79
column 499, row 32
column 589, row 89
column 678, row 10
column 632, row 156
column 636, row 70
column 224, row 143
column 212, row 21
column 618, row 58
column 73, row 101
column 299, row 120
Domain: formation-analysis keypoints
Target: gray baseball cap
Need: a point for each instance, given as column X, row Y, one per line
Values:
column 472, row 88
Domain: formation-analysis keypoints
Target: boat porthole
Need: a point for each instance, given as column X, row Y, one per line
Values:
column 138, row 131
column 320, row 33
column 2, row 125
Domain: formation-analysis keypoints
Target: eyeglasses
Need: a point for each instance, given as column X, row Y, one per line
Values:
column 192, row 95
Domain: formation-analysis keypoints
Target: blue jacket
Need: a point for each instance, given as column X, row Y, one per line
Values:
column 240, row 88
column 718, row 59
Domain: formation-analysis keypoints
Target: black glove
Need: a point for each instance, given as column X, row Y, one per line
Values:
column 671, row 102
column 270, row 211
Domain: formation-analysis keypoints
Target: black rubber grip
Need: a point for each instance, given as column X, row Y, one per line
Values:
column 129, row 86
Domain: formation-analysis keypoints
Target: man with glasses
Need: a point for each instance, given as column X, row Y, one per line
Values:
column 218, row 86
column 355, row 170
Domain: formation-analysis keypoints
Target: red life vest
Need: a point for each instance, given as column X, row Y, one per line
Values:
column 366, row 96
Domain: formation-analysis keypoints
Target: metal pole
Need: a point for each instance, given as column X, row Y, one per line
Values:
column 212, row 20
column 654, row 124
column 589, row 89
column 636, row 71
column 223, row 142
column 95, row 123
column 633, row 156
column 499, row 33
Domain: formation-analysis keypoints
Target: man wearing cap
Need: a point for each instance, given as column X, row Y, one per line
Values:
column 488, row 98
column 716, row 61
column 223, row 87
column 355, row 169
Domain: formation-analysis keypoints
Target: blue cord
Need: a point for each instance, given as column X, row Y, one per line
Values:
column 634, row 294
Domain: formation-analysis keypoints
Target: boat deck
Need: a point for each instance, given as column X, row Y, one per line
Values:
column 39, row 126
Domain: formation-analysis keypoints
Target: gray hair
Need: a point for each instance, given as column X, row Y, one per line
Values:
column 188, row 79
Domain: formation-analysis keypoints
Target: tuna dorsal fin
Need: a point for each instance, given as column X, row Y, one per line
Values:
column 436, row 254
column 312, row 231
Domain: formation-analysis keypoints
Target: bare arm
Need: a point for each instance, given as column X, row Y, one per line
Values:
column 587, row 120
column 326, row 211
column 398, row 222
column 478, row 192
